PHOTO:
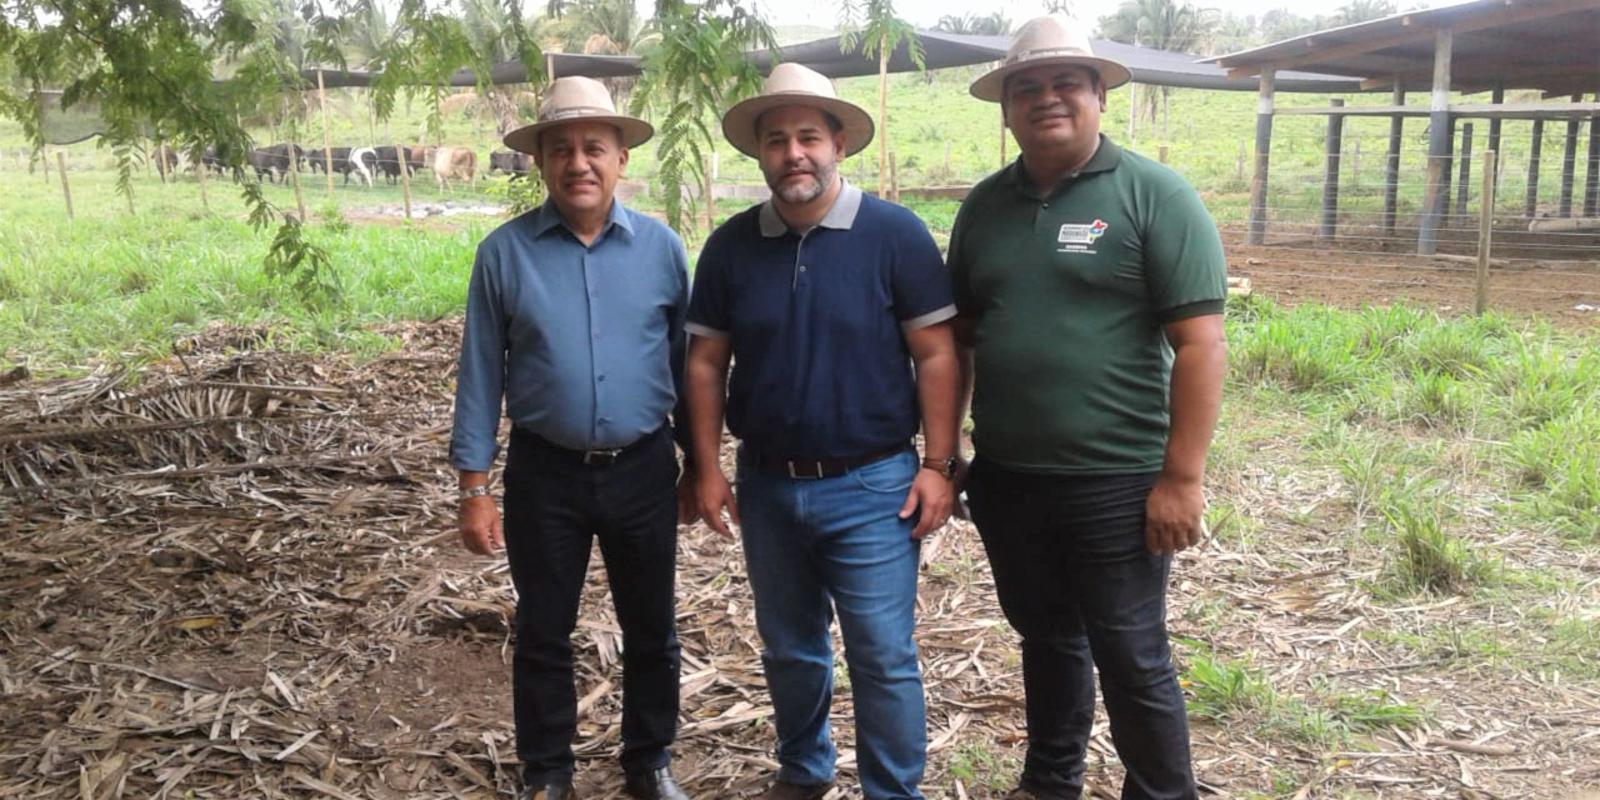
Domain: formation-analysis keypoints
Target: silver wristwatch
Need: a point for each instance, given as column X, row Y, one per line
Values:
column 476, row 491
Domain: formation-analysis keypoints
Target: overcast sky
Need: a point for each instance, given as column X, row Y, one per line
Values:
column 924, row 13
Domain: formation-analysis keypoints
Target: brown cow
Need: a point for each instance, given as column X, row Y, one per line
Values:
column 454, row 163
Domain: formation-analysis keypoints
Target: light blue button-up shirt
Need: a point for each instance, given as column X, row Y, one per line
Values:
column 584, row 343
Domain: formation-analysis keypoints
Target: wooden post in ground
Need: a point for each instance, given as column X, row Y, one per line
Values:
column 294, row 180
column 1485, row 229
column 1238, row 167
column 1569, row 162
column 1530, row 205
column 1391, row 167
column 66, row 191
column 1435, row 195
column 1003, row 139
column 1591, row 185
column 1258, row 183
column 710, row 197
column 1498, row 96
column 405, row 177
column 1466, row 168
column 327, row 143
column 1161, row 153
column 200, row 177
column 883, row 117
column 894, row 179
column 1333, row 147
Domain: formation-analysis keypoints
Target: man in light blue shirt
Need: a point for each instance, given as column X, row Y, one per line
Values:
column 575, row 320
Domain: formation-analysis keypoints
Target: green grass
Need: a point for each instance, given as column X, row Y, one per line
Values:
column 1231, row 692
column 1426, row 556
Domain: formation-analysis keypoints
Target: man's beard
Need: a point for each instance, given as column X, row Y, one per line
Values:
column 802, row 193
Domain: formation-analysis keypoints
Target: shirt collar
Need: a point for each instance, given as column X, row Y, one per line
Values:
column 841, row 215
column 1106, row 158
column 549, row 217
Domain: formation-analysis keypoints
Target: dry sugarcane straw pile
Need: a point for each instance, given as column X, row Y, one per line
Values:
column 235, row 573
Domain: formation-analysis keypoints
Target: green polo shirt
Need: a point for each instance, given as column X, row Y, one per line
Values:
column 1069, row 293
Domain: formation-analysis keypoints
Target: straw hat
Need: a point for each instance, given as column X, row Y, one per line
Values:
column 573, row 99
column 794, row 85
column 1048, row 40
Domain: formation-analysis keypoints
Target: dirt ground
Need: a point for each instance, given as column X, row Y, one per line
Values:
column 1565, row 291
column 244, row 582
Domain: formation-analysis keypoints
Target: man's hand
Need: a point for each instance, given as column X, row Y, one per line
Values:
column 1174, row 515
column 713, row 495
column 688, row 504
column 480, row 525
column 934, row 494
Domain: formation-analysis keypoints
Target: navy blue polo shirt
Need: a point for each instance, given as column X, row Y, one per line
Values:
column 817, row 322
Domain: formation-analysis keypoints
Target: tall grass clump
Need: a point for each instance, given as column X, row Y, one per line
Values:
column 1425, row 556
column 1560, row 462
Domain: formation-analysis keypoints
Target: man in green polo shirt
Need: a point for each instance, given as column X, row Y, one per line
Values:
column 1090, row 283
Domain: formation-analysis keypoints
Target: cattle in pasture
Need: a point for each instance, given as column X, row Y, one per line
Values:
column 454, row 164
column 275, row 161
column 515, row 164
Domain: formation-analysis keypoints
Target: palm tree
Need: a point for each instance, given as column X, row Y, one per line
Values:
column 1362, row 10
column 996, row 24
column 1164, row 25
column 882, row 33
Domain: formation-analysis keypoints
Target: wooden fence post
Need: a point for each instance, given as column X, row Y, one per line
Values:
column 710, row 197
column 894, row 178
column 66, row 190
column 1485, row 230
column 405, row 177
column 327, row 145
column 200, row 168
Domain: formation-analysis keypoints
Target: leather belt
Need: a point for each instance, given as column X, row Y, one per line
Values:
column 817, row 468
column 603, row 457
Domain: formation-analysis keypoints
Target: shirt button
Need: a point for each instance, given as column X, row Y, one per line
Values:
column 600, row 378
column 802, row 268
column 1044, row 205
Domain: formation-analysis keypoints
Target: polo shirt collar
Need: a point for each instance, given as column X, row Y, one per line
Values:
column 1106, row 158
column 549, row 217
column 841, row 215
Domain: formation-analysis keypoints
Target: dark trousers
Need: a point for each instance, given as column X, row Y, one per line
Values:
column 1074, row 579
column 555, row 506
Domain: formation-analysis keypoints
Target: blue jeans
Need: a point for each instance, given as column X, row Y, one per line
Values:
column 1074, row 578
column 809, row 542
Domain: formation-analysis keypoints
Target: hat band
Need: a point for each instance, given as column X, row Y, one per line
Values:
column 1051, row 52
column 576, row 111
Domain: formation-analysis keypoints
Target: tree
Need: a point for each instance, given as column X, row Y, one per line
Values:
column 691, row 74
column 995, row 24
column 1281, row 23
column 1363, row 10
column 1164, row 25
column 880, row 36
column 150, row 66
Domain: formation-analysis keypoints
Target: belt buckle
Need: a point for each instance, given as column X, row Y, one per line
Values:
column 799, row 477
column 601, row 458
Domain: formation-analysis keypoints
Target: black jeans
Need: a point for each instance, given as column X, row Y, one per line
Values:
column 555, row 507
column 1074, row 578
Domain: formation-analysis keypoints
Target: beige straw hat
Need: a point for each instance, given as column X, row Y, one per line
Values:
column 1048, row 40
column 573, row 99
column 788, row 85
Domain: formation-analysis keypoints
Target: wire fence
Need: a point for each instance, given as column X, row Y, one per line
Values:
column 1362, row 238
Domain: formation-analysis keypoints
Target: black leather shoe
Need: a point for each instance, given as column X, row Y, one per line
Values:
column 657, row 784
column 553, row 791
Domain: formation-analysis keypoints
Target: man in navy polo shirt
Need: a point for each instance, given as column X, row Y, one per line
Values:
column 824, row 298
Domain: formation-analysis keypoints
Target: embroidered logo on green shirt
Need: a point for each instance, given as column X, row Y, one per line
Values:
column 1078, row 238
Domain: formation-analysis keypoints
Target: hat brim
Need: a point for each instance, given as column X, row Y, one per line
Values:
column 634, row 131
column 991, row 85
column 739, row 124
